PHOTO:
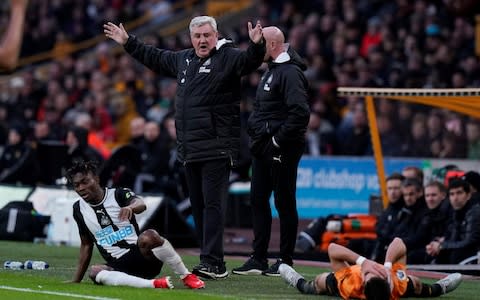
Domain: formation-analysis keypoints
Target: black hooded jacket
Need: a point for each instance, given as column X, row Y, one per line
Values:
column 281, row 105
column 207, row 104
column 463, row 231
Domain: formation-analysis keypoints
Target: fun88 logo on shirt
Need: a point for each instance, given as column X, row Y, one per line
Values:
column 108, row 237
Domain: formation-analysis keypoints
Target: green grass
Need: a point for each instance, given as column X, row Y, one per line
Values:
column 63, row 261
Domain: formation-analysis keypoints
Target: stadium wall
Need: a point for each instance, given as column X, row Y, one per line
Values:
column 330, row 185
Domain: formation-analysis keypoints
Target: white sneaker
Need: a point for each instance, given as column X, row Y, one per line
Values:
column 289, row 274
column 450, row 282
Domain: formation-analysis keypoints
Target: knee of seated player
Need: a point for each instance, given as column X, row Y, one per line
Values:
column 150, row 239
column 321, row 283
column 95, row 269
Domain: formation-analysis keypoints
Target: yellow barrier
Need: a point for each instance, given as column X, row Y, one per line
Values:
column 220, row 7
column 465, row 101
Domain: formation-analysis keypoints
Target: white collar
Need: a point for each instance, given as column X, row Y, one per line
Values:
column 222, row 42
column 282, row 57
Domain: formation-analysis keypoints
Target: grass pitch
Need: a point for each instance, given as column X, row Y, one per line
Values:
column 53, row 282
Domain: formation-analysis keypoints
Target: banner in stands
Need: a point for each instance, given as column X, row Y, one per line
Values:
column 340, row 185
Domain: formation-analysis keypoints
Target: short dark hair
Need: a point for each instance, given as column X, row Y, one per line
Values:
column 418, row 172
column 473, row 178
column 395, row 176
column 459, row 183
column 440, row 186
column 377, row 289
column 412, row 182
column 83, row 167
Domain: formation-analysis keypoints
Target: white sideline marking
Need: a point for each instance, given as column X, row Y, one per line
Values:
column 54, row 293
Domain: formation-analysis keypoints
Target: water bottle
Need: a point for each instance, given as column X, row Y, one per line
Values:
column 13, row 265
column 36, row 265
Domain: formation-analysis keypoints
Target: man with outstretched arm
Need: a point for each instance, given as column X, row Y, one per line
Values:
column 207, row 120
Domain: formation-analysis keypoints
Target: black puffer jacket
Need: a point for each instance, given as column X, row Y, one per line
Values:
column 411, row 225
column 464, row 229
column 281, row 104
column 207, row 103
column 387, row 221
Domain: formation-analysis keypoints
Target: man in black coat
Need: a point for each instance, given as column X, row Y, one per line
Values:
column 408, row 222
column 277, row 129
column 207, row 117
column 387, row 220
column 18, row 161
column 435, row 221
column 462, row 237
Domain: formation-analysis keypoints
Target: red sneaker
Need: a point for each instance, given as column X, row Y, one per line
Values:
column 163, row 283
column 193, row 282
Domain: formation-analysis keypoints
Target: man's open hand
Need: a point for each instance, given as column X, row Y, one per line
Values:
column 116, row 33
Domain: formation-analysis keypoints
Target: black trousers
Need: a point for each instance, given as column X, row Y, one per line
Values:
column 208, row 185
column 455, row 256
column 279, row 177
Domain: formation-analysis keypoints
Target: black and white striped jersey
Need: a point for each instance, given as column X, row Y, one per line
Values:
column 100, row 223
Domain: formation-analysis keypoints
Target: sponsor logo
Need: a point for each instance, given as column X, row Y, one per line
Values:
column 108, row 237
column 203, row 68
column 266, row 86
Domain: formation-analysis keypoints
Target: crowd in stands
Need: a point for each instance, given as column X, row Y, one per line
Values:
column 99, row 101
column 53, row 25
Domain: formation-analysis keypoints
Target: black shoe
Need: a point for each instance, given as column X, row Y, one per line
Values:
column 210, row 271
column 251, row 267
column 273, row 270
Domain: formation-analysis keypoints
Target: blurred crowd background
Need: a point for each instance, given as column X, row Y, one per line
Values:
column 93, row 102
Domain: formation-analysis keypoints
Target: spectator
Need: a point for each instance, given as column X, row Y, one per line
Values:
column 373, row 36
column 387, row 220
column 473, row 178
column 390, row 141
column 174, row 182
column 405, row 118
column 155, row 154
column 164, row 103
column 17, row 162
column 473, row 139
column 156, row 10
column 408, row 225
column 319, row 136
column 415, row 146
column 413, row 172
column 356, row 139
column 123, row 112
column 41, row 132
column 137, row 128
column 462, row 238
column 78, row 148
column 435, row 221
column 450, row 147
column 435, row 132
column 94, row 140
